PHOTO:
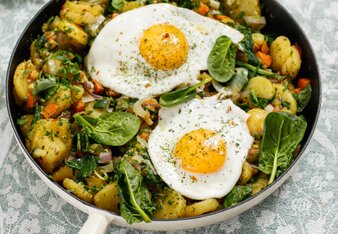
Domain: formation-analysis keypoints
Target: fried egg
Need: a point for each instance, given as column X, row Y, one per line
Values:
column 152, row 49
column 198, row 147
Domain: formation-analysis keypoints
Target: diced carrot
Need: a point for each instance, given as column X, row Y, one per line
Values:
column 145, row 135
column 299, row 50
column 303, row 82
column 79, row 106
column 114, row 15
column 98, row 88
column 203, row 9
column 30, row 103
column 256, row 47
column 297, row 90
column 49, row 110
column 265, row 48
column 265, row 58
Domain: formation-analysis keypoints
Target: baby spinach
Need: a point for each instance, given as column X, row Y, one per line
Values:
column 304, row 97
column 258, row 101
column 181, row 95
column 237, row 194
column 135, row 199
column 85, row 166
column 222, row 59
column 247, row 45
column 283, row 132
column 44, row 84
column 114, row 128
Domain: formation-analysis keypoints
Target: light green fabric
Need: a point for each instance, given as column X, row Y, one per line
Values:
column 306, row 203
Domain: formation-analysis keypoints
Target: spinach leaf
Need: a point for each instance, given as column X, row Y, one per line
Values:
column 235, row 85
column 85, row 166
column 247, row 45
column 258, row 101
column 258, row 70
column 181, row 95
column 44, row 84
column 135, row 199
column 117, row 4
column 189, row 4
column 237, row 194
column 304, row 97
column 114, row 128
column 222, row 59
column 283, row 132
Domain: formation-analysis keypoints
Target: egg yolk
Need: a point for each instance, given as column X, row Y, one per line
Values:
column 164, row 47
column 201, row 151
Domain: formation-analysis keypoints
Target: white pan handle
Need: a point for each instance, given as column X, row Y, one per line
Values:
column 97, row 223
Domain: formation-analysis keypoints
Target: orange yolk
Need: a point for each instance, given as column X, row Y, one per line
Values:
column 164, row 47
column 201, row 151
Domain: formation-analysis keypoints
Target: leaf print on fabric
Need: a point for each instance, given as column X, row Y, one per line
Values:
column 29, row 226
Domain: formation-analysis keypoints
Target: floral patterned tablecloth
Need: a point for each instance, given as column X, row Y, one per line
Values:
column 306, row 203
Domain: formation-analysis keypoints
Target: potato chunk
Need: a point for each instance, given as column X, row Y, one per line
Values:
column 256, row 121
column 78, row 190
column 201, row 207
column 172, row 203
column 262, row 87
column 76, row 33
column 63, row 173
column 50, row 142
column 108, row 198
column 284, row 100
column 285, row 57
column 81, row 13
column 23, row 79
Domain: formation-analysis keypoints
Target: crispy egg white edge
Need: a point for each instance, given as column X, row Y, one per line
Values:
column 213, row 185
column 104, row 57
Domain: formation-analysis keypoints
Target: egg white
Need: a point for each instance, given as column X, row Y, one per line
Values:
column 220, row 116
column 115, row 61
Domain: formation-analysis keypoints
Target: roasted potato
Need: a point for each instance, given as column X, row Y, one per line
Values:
column 23, row 79
column 201, row 207
column 284, row 100
column 80, row 13
column 107, row 198
column 63, row 173
column 247, row 172
column 73, row 31
column 50, row 142
column 78, row 190
column 262, row 87
column 285, row 58
column 172, row 204
column 256, row 121
column 131, row 5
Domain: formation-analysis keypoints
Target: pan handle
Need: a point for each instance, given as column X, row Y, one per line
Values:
column 97, row 223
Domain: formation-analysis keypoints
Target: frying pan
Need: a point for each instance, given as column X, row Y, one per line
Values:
column 279, row 21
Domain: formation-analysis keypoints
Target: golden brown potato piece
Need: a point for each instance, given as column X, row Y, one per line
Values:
column 23, row 79
column 201, row 207
column 285, row 57
column 76, row 33
column 63, row 173
column 81, row 13
column 284, row 100
column 256, row 121
column 108, row 198
column 173, row 205
column 96, row 182
column 260, row 184
column 247, row 172
column 262, row 87
column 78, row 190
column 50, row 142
